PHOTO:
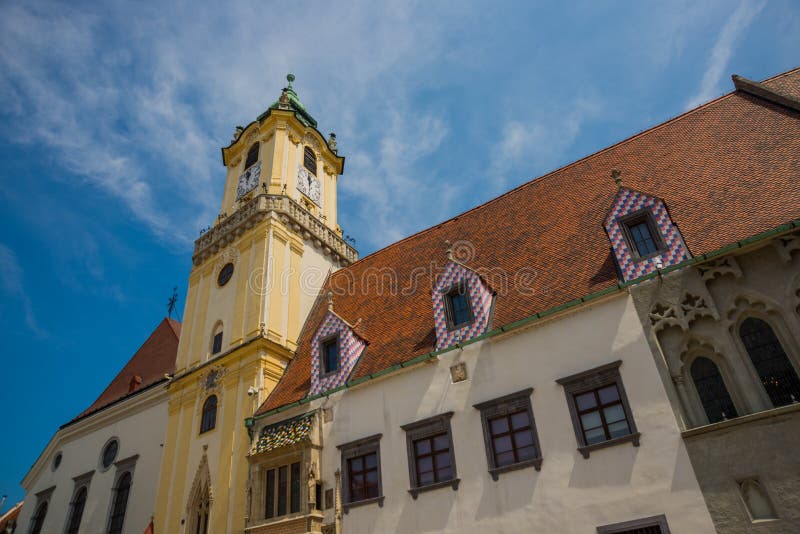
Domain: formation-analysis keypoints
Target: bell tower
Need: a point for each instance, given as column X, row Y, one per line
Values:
column 256, row 272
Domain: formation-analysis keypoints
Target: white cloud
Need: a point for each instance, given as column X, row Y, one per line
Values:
column 13, row 285
column 736, row 24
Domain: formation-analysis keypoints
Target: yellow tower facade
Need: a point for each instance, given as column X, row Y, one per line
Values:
column 256, row 273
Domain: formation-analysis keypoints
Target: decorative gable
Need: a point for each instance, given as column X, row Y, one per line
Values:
column 350, row 346
column 480, row 296
column 629, row 202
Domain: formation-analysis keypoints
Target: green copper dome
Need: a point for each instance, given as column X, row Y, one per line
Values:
column 292, row 101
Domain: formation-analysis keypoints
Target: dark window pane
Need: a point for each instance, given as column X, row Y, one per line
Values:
column 711, row 388
column 294, row 505
column 458, row 306
column 614, row 413
column 425, row 478
column 330, row 355
column 38, row 518
column 356, row 464
column 76, row 512
column 502, row 444
column 441, row 443
column 422, row 446
column 445, row 473
column 618, row 429
column 217, row 345
column 526, row 453
column 425, row 464
column 595, row 436
column 110, row 453
column 504, row 458
column 252, row 156
column 523, row 438
column 608, row 394
column 283, row 488
column 310, row 160
column 442, row 460
column 643, row 240
column 370, row 460
column 371, row 477
column 209, row 420
column 777, row 374
column 520, row 420
column 591, row 420
column 498, row 425
column 270, row 493
column 120, row 504
column 586, row 401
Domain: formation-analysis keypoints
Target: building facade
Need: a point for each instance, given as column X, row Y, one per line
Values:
column 609, row 348
column 255, row 275
column 98, row 472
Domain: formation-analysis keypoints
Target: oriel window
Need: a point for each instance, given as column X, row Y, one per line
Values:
column 283, row 490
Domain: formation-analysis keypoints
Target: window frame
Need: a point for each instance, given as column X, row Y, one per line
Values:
column 592, row 379
column 112, row 510
column 108, row 443
column 505, row 406
column 213, row 423
column 643, row 215
column 82, row 482
column 257, row 147
column 286, row 464
column 126, row 465
column 307, row 150
column 447, row 294
column 427, row 428
column 42, row 499
column 327, row 341
column 355, row 449
column 627, row 526
column 214, row 348
column 70, row 527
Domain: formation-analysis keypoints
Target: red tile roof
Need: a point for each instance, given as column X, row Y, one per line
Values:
column 726, row 170
column 153, row 359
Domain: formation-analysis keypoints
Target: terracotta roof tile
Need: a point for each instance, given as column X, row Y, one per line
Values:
column 153, row 359
column 726, row 170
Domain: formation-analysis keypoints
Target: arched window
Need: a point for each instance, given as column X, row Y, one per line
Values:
column 76, row 511
column 714, row 395
column 216, row 340
column 209, row 420
column 120, row 504
column 252, row 156
column 38, row 518
column 200, row 510
column 310, row 160
column 779, row 378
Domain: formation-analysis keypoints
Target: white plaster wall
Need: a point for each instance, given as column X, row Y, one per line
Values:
column 570, row 494
column 139, row 433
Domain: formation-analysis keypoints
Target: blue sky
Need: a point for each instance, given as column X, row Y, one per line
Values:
column 112, row 115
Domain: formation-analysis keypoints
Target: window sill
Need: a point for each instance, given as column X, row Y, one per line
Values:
column 497, row 471
column 630, row 438
column 346, row 506
column 436, row 485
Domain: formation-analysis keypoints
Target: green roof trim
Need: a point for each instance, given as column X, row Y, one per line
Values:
column 618, row 287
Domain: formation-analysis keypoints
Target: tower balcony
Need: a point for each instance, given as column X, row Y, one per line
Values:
column 289, row 212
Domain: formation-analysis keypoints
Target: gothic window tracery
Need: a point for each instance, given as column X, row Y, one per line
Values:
column 775, row 370
column 713, row 393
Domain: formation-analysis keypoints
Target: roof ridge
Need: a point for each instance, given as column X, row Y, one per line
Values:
column 551, row 173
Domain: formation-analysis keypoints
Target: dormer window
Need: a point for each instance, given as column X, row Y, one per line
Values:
column 252, row 156
column 330, row 355
column 642, row 235
column 459, row 310
column 310, row 160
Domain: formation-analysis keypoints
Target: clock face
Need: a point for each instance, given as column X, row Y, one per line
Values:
column 308, row 184
column 249, row 180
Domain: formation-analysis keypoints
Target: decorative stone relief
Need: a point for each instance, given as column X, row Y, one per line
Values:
column 682, row 315
column 786, row 245
column 228, row 255
column 748, row 302
column 458, row 372
column 211, row 380
column 311, row 141
column 720, row 267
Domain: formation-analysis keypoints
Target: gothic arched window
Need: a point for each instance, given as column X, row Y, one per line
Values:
column 252, row 156
column 209, row 420
column 38, row 518
column 120, row 504
column 310, row 160
column 76, row 511
column 711, row 388
column 200, row 510
column 779, row 378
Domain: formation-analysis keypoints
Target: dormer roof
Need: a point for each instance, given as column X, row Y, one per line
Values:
column 728, row 170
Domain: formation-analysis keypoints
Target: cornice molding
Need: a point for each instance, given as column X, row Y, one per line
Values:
column 288, row 212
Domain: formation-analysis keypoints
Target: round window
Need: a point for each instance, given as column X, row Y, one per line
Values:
column 110, row 453
column 225, row 274
column 57, row 461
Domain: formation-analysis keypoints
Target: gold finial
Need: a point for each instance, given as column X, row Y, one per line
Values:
column 617, row 176
column 330, row 300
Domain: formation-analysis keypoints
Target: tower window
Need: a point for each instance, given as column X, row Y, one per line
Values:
column 209, row 420
column 330, row 355
column 642, row 235
column 252, row 156
column 216, row 345
column 457, row 305
column 310, row 160
column 777, row 374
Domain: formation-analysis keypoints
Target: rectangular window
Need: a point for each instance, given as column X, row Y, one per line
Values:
column 510, row 433
column 330, row 355
column 361, row 463
column 599, row 408
column 642, row 234
column 295, row 500
column 283, row 486
column 270, row 494
column 458, row 309
column 648, row 525
column 430, row 454
column 217, row 345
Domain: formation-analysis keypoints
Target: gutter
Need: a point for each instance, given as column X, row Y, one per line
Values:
column 617, row 288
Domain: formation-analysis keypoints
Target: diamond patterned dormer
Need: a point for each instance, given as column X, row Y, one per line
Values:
column 462, row 305
column 335, row 350
column 642, row 235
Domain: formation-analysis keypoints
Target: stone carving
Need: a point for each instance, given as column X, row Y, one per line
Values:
column 311, row 141
column 458, row 372
column 750, row 303
column 211, row 380
column 237, row 133
column 691, row 308
column 786, row 245
column 720, row 267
